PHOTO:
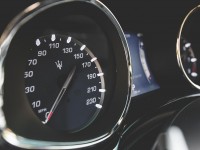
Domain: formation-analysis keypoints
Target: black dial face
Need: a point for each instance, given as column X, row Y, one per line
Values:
column 189, row 60
column 64, row 82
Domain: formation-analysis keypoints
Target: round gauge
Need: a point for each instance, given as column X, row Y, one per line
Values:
column 188, row 47
column 70, row 87
column 64, row 82
column 189, row 60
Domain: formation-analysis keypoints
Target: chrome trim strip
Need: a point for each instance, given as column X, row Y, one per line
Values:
column 26, row 143
column 169, row 102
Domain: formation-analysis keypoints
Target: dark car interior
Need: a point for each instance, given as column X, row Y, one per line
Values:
column 107, row 75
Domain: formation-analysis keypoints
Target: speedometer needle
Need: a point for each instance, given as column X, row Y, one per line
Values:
column 60, row 95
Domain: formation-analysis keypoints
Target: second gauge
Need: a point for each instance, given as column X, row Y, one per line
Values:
column 64, row 82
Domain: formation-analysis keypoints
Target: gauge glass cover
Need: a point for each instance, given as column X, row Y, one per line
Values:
column 64, row 82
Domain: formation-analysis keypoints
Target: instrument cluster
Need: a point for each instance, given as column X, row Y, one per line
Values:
column 71, row 77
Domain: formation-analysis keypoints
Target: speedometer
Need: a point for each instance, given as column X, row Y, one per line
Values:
column 64, row 82
column 70, row 86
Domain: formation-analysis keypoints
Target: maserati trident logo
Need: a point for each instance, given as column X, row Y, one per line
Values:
column 59, row 64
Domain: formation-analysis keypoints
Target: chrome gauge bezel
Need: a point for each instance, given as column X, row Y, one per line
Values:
column 178, row 46
column 5, row 41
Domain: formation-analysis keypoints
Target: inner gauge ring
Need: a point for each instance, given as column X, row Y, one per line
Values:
column 123, row 70
column 178, row 46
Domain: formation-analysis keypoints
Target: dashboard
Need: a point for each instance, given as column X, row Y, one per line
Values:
column 89, row 74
